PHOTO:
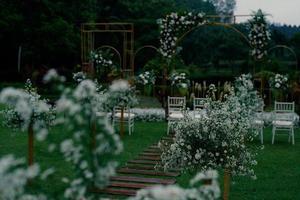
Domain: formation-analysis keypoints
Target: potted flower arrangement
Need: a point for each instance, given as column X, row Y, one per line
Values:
column 147, row 79
column 103, row 62
column 181, row 82
column 278, row 85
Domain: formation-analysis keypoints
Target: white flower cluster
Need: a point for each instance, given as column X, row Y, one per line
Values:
column 179, row 80
column 174, row 192
column 79, row 76
column 90, row 139
column 14, row 177
column 26, row 108
column 279, row 82
column 149, row 114
column 101, row 58
column 246, row 93
column 216, row 140
column 120, row 94
column 259, row 35
column 173, row 26
column 146, row 78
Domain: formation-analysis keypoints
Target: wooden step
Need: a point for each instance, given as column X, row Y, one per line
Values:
column 117, row 191
column 129, row 185
column 152, row 151
column 154, row 146
column 148, row 172
column 149, row 162
column 150, row 154
column 143, row 180
column 146, row 167
column 155, row 158
column 139, row 166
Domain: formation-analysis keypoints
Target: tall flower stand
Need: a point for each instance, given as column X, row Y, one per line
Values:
column 30, row 144
column 122, row 123
column 148, row 90
column 277, row 95
column 226, row 184
column 183, row 91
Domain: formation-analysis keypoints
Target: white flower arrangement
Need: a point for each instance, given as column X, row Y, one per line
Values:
column 102, row 59
column 259, row 35
column 216, row 140
column 26, row 108
column 14, row 177
column 149, row 114
column 246, row 93
column 174, row 192
column 173, row 26
column 179, row 80
column 120, row 94
column 146, row 78
column 86, row 146
column 279, row 82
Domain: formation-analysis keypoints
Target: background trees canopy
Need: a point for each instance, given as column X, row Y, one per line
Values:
column 48, row 31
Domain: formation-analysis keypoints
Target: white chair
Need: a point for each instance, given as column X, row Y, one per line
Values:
column 176, row 107
column 284, row 119
column 128, row 118
column 199, row 105
column 258, row 122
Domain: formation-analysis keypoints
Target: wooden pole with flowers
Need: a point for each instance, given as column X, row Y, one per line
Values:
column 120, row 95
column 30, row 144
column 218, row 139
column 28, row 111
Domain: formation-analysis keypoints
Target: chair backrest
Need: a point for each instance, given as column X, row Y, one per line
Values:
column 176, row 103
column 284, row 107
column 284, row 110
column 118, row 109
column 199, row 103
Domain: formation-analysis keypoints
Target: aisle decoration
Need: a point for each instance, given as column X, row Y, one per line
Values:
column 28, row 111
column 218, row 139
column 90, row 140
column 198, row 190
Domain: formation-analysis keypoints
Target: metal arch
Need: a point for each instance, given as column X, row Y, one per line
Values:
column 115, row 50
column 142, row 48
column 214, row 24
column 288, row 48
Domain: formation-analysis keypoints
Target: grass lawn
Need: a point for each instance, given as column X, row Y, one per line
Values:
column 278, row 169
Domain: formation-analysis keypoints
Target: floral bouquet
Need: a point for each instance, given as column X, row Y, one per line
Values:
column 279, row 82
column 146, row 78
column 101, row 58
column 179, row 80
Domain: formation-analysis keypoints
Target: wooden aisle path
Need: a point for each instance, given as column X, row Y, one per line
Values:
column 140, row 173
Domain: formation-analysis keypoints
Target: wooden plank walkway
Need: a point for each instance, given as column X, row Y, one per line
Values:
column 140, row 173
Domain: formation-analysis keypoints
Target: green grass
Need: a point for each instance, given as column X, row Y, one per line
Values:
column 278, row 169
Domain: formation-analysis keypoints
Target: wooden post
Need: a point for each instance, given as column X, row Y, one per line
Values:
column 122, row 123
column 30, row 145
column 93, row 134
column 226, row 184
